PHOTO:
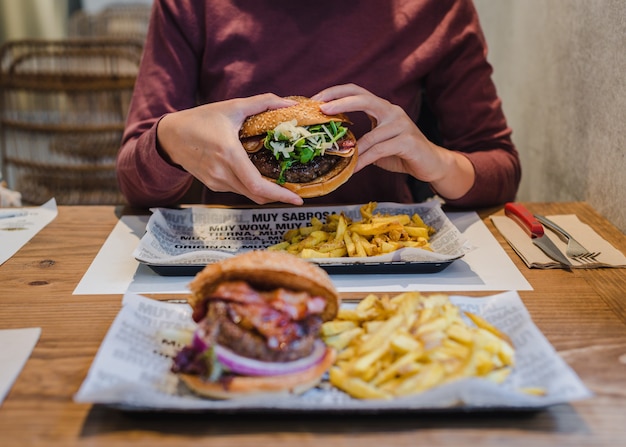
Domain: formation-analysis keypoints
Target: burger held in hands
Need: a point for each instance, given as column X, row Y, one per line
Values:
column 300, row 147
column 258, row 318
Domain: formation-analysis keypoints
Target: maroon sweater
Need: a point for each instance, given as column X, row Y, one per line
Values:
column 406, row 51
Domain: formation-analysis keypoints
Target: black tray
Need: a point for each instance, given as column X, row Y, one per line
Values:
column 334, row 269
column 296, row 411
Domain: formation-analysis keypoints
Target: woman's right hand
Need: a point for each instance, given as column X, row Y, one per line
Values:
column 204, row 141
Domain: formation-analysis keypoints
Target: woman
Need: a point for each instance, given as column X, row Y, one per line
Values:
column 208, row 65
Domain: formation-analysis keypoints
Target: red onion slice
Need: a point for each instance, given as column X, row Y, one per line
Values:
column 198, row 343
column 251, row 367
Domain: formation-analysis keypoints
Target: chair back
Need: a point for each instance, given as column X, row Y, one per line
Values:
column 63, row 107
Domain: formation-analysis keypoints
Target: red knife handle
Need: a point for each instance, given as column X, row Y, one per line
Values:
column 524, row 218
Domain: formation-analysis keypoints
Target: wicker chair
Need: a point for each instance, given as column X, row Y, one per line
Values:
column 62, row 113
column 116, row 20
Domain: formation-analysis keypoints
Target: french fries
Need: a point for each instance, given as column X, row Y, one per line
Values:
column 375, row 234
column 409, row 343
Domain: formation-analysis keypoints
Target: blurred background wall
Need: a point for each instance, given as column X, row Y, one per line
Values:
column 46, row 18
column 33, row 18
column 559, row 66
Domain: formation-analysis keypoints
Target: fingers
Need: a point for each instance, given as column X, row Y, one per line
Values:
column 352, row 98
column 395, row 143
column 222, row 163
column 255, row 187
column 384, row 146
column 381, row 156
column 262, row 190
column 211, row 150
column 252, row 105
column 339, row 91
column 266, row 191
column 231, row 170
column 340, row 99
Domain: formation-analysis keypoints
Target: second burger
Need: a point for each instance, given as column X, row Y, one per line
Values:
column 258, row 318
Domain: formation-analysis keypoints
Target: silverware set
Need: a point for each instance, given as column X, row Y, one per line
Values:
column 533, row 225
column 575, row 249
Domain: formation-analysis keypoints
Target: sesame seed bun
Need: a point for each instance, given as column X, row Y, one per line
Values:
column 307, row 112
column 267, row 270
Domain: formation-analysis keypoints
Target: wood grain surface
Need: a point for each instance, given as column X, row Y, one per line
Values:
column 581, row 312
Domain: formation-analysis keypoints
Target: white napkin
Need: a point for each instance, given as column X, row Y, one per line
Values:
column 19, row 225
column 533, row 257
column 15, row 348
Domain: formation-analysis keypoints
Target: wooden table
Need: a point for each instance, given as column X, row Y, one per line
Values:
column 582, row 313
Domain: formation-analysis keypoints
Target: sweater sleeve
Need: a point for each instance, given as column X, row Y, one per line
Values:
column 166, row 82
column 462, row 95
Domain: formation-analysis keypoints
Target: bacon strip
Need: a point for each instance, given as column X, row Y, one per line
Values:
column 296, row 305
column 346, row 147
column 277, row 328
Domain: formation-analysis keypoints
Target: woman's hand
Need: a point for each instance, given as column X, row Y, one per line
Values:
column 204, row 141
column 396, row 144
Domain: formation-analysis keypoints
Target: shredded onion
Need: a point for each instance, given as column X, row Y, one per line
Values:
column 251, row 367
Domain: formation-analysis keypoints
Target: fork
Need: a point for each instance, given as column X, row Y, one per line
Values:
column 574, row 248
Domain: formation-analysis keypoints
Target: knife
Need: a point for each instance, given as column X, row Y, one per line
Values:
column 525, row 219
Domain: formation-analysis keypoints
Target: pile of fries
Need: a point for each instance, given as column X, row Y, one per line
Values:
column 375, row 234
column 390, row 347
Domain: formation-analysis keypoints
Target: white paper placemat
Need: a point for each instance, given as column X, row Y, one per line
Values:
column 486, row 268
column 15, row 348
column 19, row 225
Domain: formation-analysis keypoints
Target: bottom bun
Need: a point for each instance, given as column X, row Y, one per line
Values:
column 244, row 386
column 327, row 183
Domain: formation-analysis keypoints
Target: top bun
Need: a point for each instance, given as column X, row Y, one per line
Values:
column 267, row 270
column 307, row 112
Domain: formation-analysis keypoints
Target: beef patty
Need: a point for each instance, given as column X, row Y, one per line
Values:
column 298, row 172
column 249, row 343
